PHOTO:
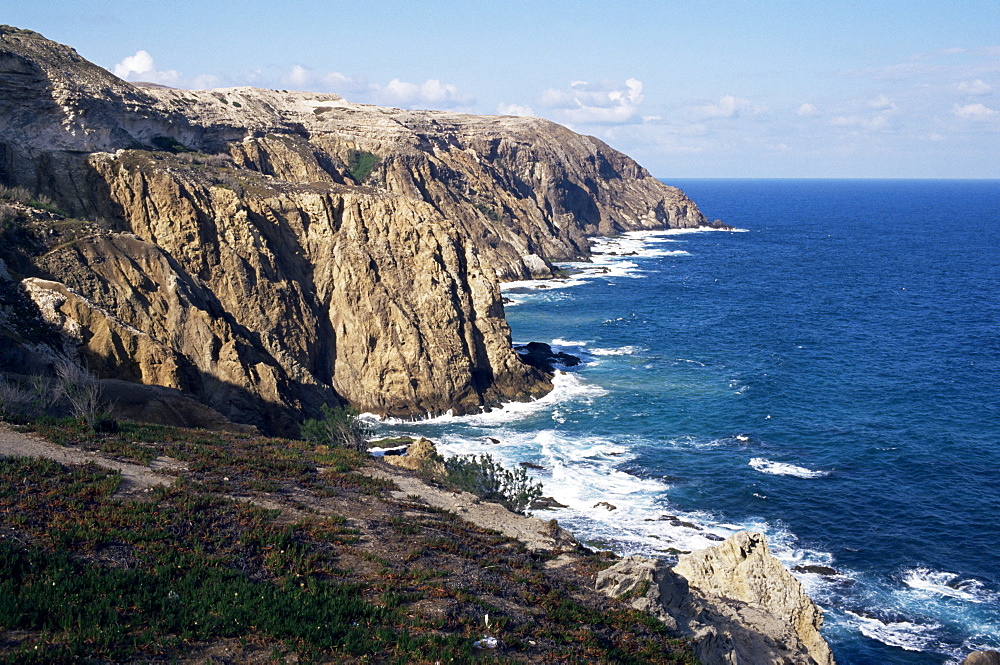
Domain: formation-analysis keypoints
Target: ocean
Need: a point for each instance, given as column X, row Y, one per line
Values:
column 829, row 375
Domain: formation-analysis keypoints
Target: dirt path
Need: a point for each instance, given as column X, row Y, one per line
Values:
column 537, row 534
column 135, row 477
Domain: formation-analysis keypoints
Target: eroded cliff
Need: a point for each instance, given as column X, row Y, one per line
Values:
column 269, row 251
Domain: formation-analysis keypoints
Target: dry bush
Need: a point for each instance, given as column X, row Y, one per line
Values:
column 83, row 392
column 15, row 401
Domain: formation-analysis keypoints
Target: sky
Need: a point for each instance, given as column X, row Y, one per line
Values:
column 690, row 89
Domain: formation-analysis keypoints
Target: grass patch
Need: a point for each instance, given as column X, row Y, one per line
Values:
column 197, row 568
column 360, row 164
column 90, row 573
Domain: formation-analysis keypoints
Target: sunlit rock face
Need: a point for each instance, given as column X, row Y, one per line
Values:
column 270, row 251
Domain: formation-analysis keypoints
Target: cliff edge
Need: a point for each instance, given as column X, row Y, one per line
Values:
column 269, row 251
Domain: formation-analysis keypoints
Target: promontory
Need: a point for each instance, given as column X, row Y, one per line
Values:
column 267, row 251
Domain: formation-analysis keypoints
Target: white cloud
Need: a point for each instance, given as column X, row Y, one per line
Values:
column 977, row 87
column 807, row 111
column 299, row 77
column 514, row 109
column 880, row 121
column 205, row 82
column 728, row 107
column 341, row 83
column 397, row 92
column 431, row 92
column 600, row 103
column 142, row 67
column 882, row 103
column 974, row 111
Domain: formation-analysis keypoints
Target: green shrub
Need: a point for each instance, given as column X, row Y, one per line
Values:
column 169, row 144
column 360, row 164
column 489, row 211
column 339, row 426
column 489, row 480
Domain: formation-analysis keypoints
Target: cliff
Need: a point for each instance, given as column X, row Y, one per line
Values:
column 735, row 601
column 270, row 251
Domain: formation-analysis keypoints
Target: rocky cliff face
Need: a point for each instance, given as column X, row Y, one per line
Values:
column 736, row 601
column 269, row 251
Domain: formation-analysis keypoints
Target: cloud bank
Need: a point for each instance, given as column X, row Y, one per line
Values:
column 583, row 103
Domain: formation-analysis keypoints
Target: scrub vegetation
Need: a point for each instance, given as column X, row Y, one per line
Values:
column 264, row 549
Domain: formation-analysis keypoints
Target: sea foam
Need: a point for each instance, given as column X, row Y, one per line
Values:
column 902, row 634
column 947, row 585
column 781, row 469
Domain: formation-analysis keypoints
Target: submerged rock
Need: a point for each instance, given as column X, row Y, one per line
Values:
column 546, row 503
column 541, row 356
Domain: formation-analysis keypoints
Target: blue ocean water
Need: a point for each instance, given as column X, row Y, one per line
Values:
column 829, row 375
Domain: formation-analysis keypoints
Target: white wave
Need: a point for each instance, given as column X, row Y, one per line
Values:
column 539, row 285
column 620, row 351
column 781, row 469
column 567, row 387
column 946, row 584
column 609, row 258
column 558, row 341
column 902, row 634
column 697, row 229
column 375, row 451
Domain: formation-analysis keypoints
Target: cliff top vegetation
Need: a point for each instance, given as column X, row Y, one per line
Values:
column 266, row 548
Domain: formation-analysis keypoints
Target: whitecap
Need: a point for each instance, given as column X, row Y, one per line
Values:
column 699, row 229
column 567, row 387
column 627, row 350
column 781, row 469
column 902, row 634
column 567, row 342
column 940, row 583
column 529, row 285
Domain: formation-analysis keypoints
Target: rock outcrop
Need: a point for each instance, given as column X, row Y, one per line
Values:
column 982, row 658
column 421, row 456
column 735, row 601
column 267, row 252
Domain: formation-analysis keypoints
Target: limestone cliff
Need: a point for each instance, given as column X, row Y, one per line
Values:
column 269, row 251
column 736, row 601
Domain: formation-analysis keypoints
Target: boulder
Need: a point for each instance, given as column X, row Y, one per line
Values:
column 735, row 601
column 421, row 456
column 982, row 658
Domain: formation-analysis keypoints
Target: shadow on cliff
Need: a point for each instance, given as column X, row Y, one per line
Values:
column 80, row 189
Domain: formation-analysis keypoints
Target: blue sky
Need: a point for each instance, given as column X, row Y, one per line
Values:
column 690, row 89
